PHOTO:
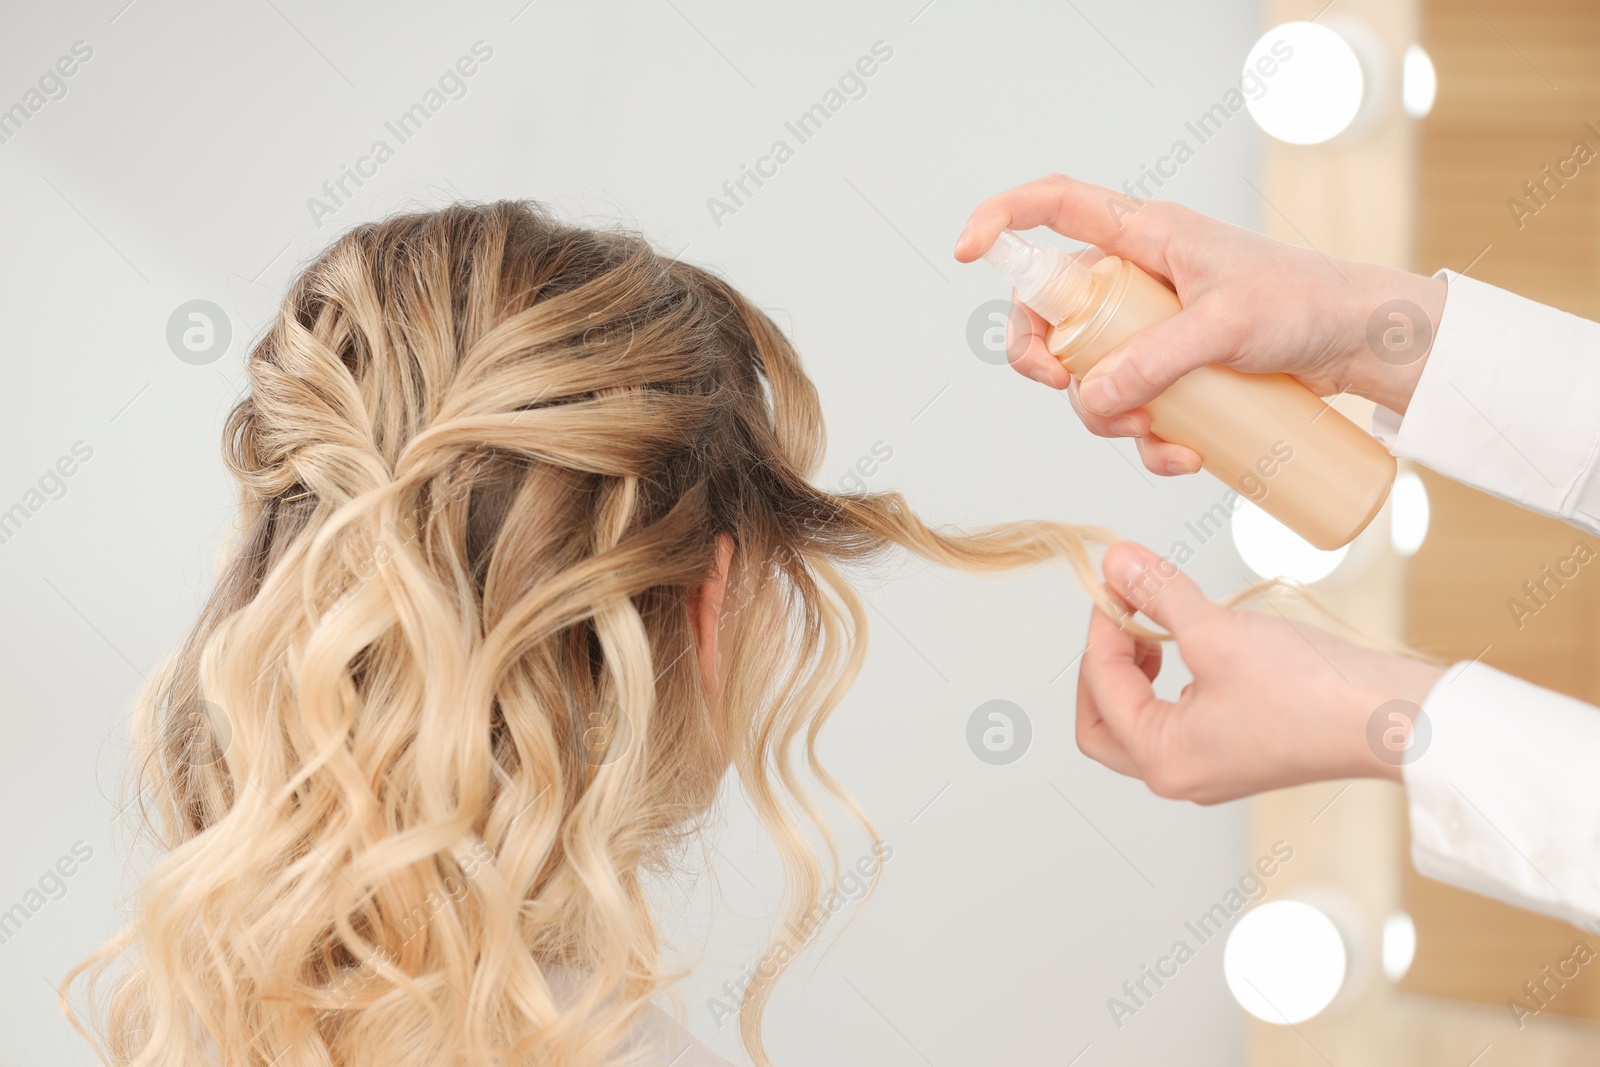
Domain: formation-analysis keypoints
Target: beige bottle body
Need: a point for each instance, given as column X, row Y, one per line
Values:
column 1264, row 435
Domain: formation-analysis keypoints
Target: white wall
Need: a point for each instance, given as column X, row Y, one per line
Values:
column 178, row 166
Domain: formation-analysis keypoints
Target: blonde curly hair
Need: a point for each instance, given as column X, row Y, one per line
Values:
column 442, row 711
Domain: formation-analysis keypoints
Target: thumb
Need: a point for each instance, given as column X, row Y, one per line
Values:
column 1156, row 586
column 1142, row 367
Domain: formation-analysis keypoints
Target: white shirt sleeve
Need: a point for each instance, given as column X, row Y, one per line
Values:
column 1504, row 800
column 1508, row 402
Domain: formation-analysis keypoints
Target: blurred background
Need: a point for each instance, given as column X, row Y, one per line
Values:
column 166, row 166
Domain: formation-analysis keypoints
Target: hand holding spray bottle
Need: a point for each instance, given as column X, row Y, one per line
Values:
column 1264, row 435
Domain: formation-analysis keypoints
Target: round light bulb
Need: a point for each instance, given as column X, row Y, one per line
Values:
column 1272, row 550
column 1284, row 961
column 1317, row 88
column 1399, row 945
column 1408, row 513
column 1419, row 84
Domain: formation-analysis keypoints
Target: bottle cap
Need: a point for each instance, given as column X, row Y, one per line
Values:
column 1046, row 279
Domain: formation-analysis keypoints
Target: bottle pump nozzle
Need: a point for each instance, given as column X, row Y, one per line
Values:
column 1045, row 278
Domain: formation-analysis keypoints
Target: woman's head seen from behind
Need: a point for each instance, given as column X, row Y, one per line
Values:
column 530, row 554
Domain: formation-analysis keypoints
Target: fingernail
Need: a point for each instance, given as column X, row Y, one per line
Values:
column 1180, row 467
column 1124, row 426
column 1128, row 571
column 1099, row 395
column 1042, row 376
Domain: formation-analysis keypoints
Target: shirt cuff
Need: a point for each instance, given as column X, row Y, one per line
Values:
column 1506, row 402
column 1504, row 800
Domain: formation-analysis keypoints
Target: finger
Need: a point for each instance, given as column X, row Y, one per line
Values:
column 1147, row 657
column 1165, row 458
column 1025, row 347
column 1096, row 740
column 1113, row 680
column 1144, row 366
column 1099, row 216
column 1157, row 587
column 1094, row 735
column 1135, row 423
column 1161, row 457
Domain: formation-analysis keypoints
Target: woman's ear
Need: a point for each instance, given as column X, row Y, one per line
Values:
column 705, row 615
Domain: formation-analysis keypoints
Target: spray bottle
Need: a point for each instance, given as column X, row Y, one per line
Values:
column 1264, row 435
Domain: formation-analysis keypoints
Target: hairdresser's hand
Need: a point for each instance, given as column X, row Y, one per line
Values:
column 1272, row 704
column 1249, row 302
